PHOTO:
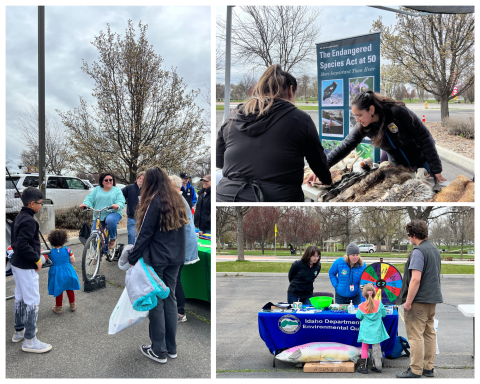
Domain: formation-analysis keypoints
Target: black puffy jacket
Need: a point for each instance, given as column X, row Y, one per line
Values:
column 25, row 240
column 131, row 193
column 202, row 218
column 407, row 143
column 301, row 278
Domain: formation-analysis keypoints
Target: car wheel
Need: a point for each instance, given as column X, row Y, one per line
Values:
column 371, row 251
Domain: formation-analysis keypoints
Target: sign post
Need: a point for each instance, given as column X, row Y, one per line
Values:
column 346, row 68
column 275, row 239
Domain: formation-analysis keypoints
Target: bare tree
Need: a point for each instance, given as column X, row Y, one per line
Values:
column 56, row 147
column 303, row 83
column 144, row 115
column 219, row 91
column 431, row 52
column 263, row 36
column 245, row 85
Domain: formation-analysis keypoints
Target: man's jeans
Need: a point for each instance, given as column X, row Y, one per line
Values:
column 132, row 232
column 27, row 300
column 163, row 318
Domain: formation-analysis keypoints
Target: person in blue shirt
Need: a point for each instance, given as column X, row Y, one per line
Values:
column 345, row 275
column 188, row 192
column 105, row 195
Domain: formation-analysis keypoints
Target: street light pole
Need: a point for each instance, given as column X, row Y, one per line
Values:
column 228, row 54
column 41, row 99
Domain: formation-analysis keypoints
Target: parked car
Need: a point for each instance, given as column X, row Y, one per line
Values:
column 64, row 191
column 88, row 183
column 471, row 252
column 369, row 248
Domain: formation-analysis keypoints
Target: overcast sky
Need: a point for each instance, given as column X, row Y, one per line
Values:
column 336, row 23
column 181, row 35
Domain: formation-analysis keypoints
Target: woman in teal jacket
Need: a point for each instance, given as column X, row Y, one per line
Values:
column 106, row 195
column 345, row 275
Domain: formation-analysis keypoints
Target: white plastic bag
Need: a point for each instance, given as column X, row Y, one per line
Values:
column 435, row 325
column 124, row 316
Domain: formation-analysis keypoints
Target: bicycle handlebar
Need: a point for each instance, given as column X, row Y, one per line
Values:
column 87, row 208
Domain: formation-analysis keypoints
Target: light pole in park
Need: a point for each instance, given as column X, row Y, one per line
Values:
column 228, row 62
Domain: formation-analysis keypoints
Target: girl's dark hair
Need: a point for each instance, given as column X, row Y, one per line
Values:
column 273, row 83
column 30, row 194
column 365, row 100
column 173, row 212
column 103, row 175
column 418, row 229
column 57, row 238
column 309, row 252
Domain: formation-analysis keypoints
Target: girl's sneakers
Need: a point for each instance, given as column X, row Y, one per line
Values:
column 73, row 307
column 57, row 310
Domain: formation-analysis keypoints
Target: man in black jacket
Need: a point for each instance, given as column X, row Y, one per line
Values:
column 202, row 211
column 25, row 262
column 188, row 192
column 132, row 197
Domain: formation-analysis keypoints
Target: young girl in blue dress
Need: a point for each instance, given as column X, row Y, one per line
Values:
column 61, row 276
column 372, row 331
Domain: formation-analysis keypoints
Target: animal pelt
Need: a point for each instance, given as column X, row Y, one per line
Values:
column 347, row 181
column 412, row 190
column 375, row 184
column 462, row 189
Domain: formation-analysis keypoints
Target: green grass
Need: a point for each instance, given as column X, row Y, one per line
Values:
column 402, row 254
column 252, row 266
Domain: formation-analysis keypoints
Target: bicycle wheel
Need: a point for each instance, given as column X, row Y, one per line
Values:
column 91, row 257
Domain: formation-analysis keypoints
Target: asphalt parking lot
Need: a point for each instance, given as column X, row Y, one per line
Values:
column 82, row 347
column 241, row 353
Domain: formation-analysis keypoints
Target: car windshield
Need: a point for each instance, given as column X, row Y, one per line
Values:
column 11, row 182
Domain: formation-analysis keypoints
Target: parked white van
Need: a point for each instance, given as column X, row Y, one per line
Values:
column 64, row 191
column 369, row 248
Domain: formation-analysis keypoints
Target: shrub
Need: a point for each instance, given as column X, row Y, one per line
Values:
column 461, row 126
column 72, row 218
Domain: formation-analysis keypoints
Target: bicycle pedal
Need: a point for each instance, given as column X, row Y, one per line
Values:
column 98, row 282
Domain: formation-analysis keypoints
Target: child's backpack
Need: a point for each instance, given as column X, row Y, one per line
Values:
column 84, row 233
column 401, row 345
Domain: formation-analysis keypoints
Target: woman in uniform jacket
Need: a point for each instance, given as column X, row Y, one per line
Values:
column 394, row 129
column 262, row 146
column 302, row 274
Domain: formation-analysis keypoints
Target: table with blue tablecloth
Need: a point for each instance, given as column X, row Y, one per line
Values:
column 281, row 330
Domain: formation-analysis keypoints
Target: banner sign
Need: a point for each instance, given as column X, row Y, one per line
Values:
column 345, row 68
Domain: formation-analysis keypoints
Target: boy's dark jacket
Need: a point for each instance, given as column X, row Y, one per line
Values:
column 25, row 240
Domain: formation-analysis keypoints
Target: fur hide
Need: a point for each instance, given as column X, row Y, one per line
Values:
column 462, row 189
column 412, row 190
column 375, row 184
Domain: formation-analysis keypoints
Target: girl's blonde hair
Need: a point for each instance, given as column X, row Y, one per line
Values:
column 370, row 306
column 273, row 84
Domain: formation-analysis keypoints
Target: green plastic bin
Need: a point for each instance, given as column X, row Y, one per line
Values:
column 196, row 278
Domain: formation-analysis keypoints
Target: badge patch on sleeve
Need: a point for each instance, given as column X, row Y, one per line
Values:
column 393, row 128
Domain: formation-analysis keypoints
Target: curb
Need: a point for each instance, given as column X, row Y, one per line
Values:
column 263, row 274
column 459, row 160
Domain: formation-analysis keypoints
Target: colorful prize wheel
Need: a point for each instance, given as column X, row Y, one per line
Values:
column 386, row 279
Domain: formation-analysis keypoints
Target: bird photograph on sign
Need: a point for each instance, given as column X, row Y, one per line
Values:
column 332, row 91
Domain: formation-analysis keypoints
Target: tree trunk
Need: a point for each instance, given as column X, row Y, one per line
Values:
column 263, row 247
column 241, row 255
column 444, row 109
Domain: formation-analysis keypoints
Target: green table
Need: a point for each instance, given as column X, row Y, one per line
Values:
column 196, row 277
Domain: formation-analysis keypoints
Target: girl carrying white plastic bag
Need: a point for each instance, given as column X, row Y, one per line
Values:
column 124, row 316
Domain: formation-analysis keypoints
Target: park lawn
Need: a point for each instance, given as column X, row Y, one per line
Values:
column 337, row 254
column 252, row 266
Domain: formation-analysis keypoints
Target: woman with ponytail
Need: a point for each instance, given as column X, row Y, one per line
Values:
column 262, row 146
column 372, row 331
column 394, row 129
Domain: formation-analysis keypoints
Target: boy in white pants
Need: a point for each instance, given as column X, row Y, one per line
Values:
column 26, row 262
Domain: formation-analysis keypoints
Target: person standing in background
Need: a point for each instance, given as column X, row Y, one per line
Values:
column 188, row 192
column 202, row 217
column 132, row 197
